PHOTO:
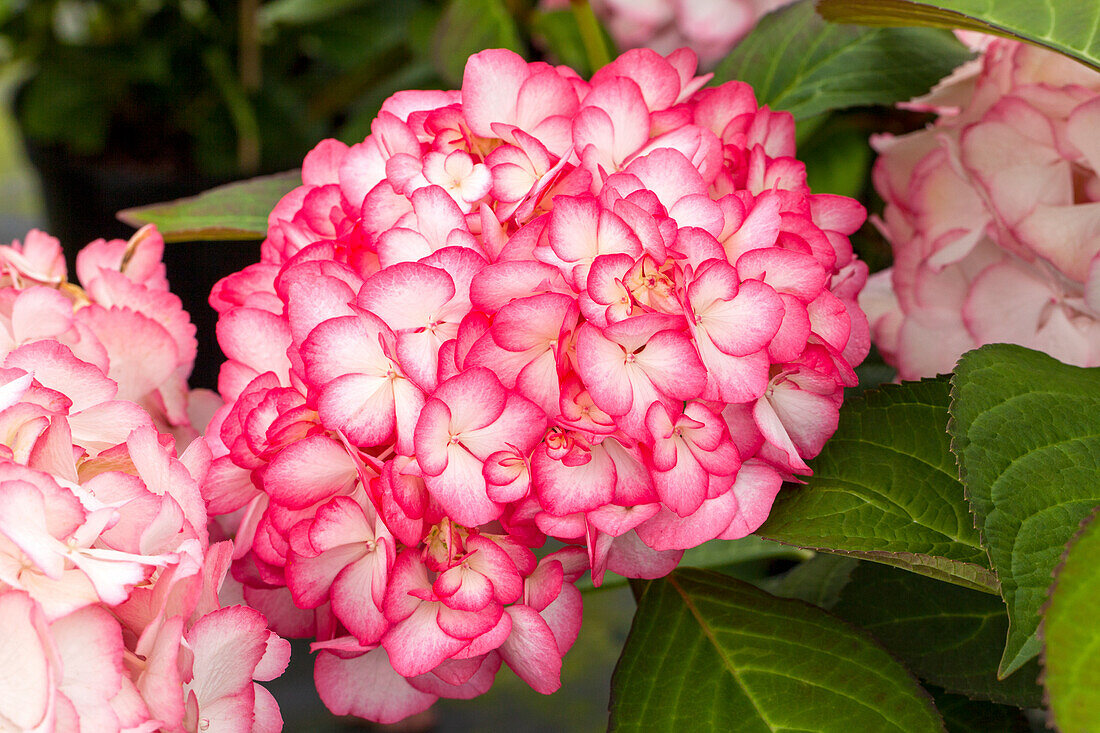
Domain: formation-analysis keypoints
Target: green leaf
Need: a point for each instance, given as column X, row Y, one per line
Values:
column 963, row 715
column 707, row 652
column 1072, row 636
column 819, row 580
column 796, row 61
column 1070, row 28
column 945, row 634
column 558, row 30
column 838, row 158
column 469, row 26
column 885, row 489
column 1026, row 430
column 233, row 211
column 716, row 554
column 303, row 12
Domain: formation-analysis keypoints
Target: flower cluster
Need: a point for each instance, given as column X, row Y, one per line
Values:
column 108, row 581
column 993, row 213
column 122, row 320
column 608, row 312
column 711, row 28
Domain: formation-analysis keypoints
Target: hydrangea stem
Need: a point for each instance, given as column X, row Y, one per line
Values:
column 595, row 47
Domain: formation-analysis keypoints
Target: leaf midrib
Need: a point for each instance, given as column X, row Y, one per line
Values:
column 874, row 498
column 708, row 633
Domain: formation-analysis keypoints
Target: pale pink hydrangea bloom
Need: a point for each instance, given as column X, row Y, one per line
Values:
column 122, row 318
column 108, row 580
column 606, row 312
column 710, row 28
column 993, row 213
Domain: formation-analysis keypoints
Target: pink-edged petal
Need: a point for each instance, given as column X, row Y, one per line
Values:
column 468, row 625
column 463, row 589
column 489, row 559
column 257, row 339
column 630, row 557
column 563, row 616
column 308, row 471
column 346, row 345
column 339, row 522
column 683, row 487
column 785, row 270
column 310, row 578
column 669, row 531
column 461, row 489
column 755, row 489
column 491, row 84
column 26, row 680
column 809, row 418
column 475, row 398
column 54, row 366
column 532, row 322
column 521, row 424
column 742, row 324
column 417, row 644
column 266, row 716
column 40, row 312
column 734, row 379
column 90, row 646
column 224, row 692
column 352, row 600
column 601, row 363
column 532, row 651
column 614, row 520
column 472, row 686
column 361, row 406
column 407, row 294
column 368, row 687
column 775, row 433
column 672, row 364
column 564, row 489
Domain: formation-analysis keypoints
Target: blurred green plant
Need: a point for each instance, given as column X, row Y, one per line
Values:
column 236, row 87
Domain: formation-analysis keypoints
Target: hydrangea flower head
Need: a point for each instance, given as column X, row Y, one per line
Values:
column 992, row 212
column 607, row 312
column 109, row 584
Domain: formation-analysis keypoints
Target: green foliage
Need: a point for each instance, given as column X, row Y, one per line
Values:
column 796, row 61
column 945, row 634
column 820, row 580
column 223, row 89
column 234, row 211
column 884, row 488
column 1072, row 637
column 469, row 26
column 1071, row 28
column 837, row 157
column 559, row 32
column 1026, row 430
column 707, row 652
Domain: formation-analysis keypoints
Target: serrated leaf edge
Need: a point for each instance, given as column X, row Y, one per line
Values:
column 934, row 17
column 1081, row 528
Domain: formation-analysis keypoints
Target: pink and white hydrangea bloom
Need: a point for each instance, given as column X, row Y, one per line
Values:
column 122, row 318
column 108, row 579
column 993, row 212
column 609, row 313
